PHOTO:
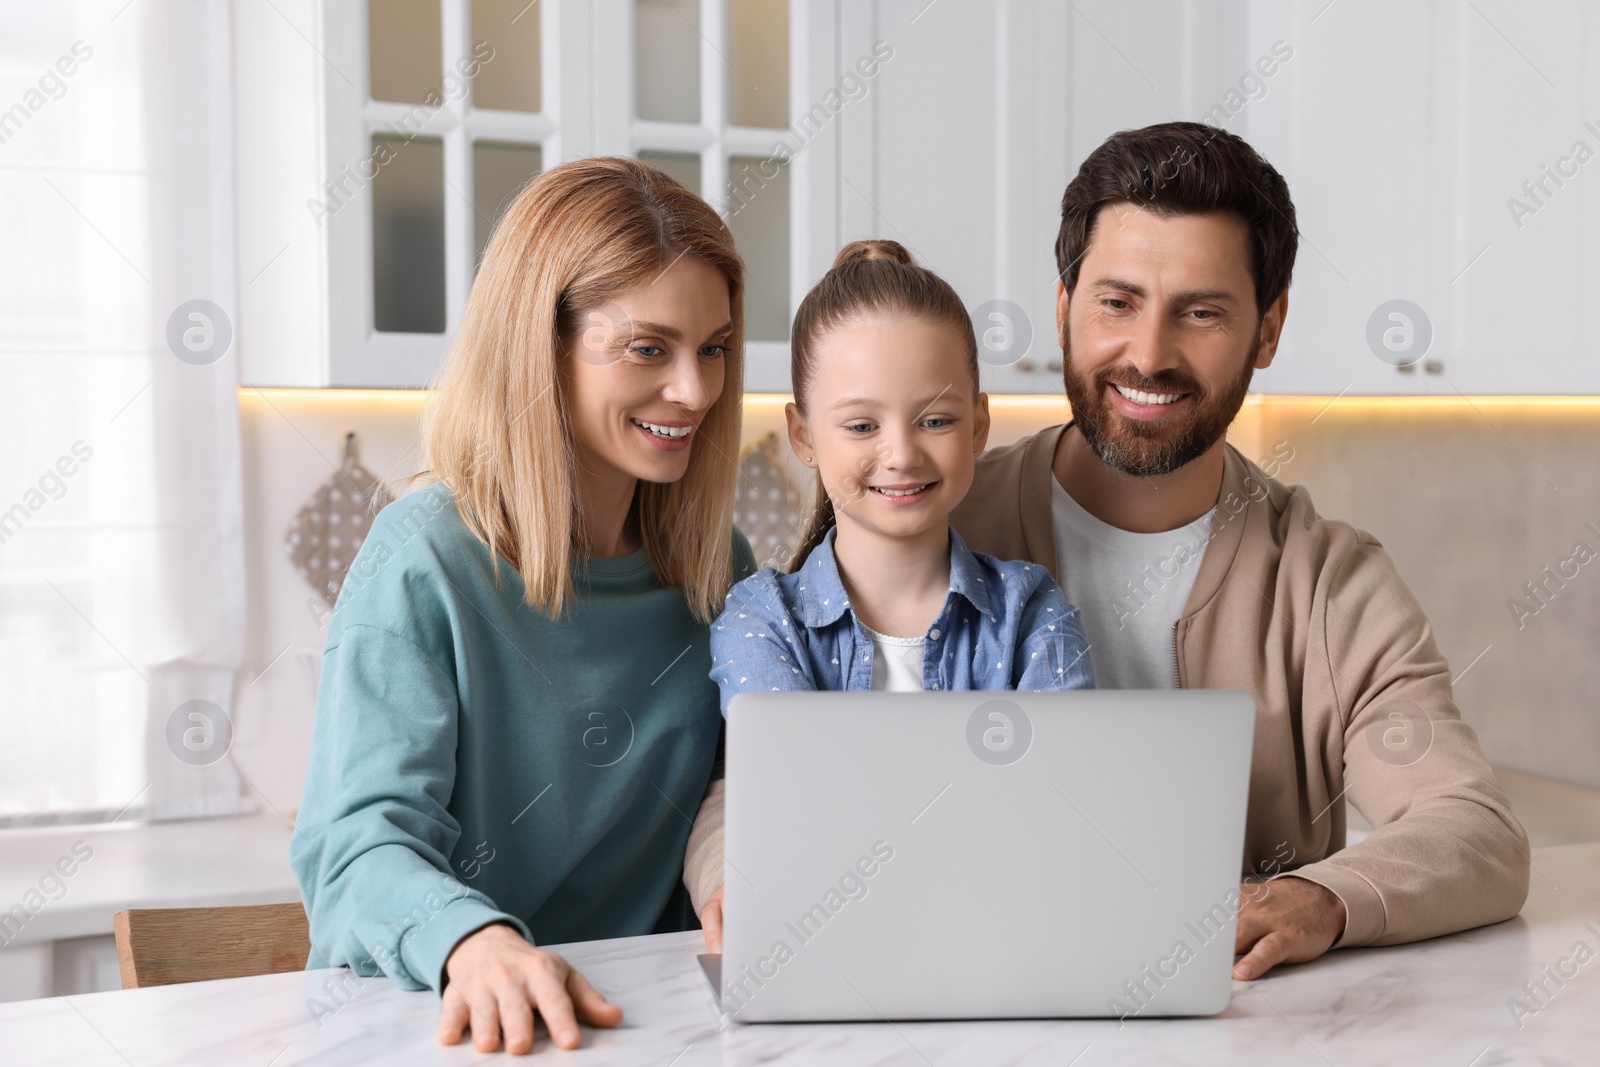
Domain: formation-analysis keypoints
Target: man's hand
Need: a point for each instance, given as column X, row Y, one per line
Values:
column 1286, row 920
column 498, row 980
column 711, row 920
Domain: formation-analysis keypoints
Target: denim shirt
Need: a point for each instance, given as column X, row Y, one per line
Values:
column 1004, row 625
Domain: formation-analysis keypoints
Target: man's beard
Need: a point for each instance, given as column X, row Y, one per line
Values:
column 1162, row 446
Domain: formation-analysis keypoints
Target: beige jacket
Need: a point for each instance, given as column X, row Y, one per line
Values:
column 1353, row 701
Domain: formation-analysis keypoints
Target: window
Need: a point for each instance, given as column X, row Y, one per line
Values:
column 121, row 546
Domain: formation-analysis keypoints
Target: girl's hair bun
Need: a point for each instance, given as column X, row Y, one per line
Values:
column 866, row 251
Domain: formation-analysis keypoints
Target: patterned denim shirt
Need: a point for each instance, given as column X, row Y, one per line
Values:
column 1004, row 625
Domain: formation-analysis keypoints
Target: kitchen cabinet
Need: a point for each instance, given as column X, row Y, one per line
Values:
column 1420, row 142
column 1437, row 155
column 1408, row 134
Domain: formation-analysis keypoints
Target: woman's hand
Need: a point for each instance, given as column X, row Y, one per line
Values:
column 711, row 921
column 497, row 980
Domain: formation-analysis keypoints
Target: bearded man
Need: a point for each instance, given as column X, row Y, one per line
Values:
column 1194, row 569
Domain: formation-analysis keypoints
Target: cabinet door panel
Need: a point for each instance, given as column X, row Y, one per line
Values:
column 930, row 179
column 1347, row 122
column 977, row 125
column 1435, row 153
column 1527, row 146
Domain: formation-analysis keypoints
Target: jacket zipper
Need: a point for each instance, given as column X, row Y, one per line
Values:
column 1176, row 682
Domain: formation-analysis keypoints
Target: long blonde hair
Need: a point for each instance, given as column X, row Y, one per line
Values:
column 867, row 277
column 497, row 432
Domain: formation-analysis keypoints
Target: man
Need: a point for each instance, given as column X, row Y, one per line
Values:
column 1194, row 569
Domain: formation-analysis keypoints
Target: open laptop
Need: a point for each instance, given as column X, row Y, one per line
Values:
column 982, row 855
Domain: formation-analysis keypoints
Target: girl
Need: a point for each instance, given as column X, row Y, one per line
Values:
column 502, row 742
column 882, row 593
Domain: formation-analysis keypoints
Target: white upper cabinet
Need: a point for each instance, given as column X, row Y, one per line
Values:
column 1350, row 120
column 1407, row 133
column 960, row 152
column 1436, row 153
column 1524, row 173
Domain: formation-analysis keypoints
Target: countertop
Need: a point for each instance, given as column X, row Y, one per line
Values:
column 185, row 863
column 1452, row 1001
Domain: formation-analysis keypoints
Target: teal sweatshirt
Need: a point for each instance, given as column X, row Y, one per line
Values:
column 474, row 761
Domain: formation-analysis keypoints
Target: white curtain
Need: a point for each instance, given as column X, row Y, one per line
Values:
column 121, row 547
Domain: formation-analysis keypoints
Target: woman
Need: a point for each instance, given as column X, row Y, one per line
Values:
column 507, row 740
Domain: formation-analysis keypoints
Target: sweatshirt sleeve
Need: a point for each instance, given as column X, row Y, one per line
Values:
column 1446, row 853
column 372, row 843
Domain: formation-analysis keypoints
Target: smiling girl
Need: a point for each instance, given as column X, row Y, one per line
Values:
column 883, row 594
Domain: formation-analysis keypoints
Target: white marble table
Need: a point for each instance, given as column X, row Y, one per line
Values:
column 1446, row 1001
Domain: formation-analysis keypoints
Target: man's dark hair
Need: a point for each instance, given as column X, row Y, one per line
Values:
column 1185, row 168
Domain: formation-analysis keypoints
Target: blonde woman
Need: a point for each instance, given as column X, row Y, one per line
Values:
column 507, row 738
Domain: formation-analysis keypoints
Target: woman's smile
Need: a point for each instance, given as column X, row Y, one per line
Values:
column 667, row 436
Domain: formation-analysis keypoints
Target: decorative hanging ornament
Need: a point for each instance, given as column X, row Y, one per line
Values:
column 768, row 504
column 327, row 533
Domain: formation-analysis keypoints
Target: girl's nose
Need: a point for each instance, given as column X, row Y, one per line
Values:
column 904, row 453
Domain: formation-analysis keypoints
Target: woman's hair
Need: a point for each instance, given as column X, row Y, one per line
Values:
column 868, row 278
column 498, row 433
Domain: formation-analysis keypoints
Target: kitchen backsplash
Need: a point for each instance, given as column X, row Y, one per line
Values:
column 1491, row 511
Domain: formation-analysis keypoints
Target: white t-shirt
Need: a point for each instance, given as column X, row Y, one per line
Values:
column 896, row 662
column 1131, row 589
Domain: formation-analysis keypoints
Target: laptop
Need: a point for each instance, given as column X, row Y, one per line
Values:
column 974, row 855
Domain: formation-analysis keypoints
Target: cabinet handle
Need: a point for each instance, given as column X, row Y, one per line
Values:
column 1055, row 366
column 1434, row 366
column 1025, row 366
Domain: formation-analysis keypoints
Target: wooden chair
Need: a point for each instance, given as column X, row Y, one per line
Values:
column 161, row 946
